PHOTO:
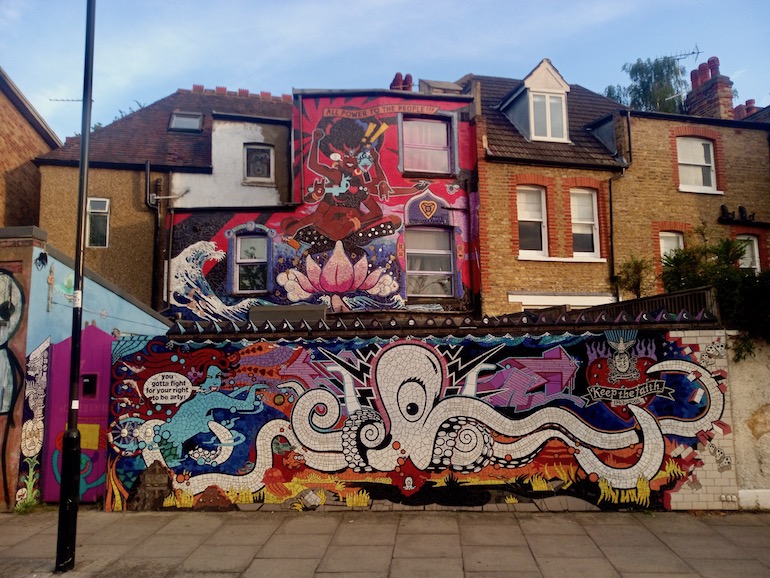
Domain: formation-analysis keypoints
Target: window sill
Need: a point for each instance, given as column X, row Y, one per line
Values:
column 548, row 139
column 427, row 175
column 258, row 183
column 562, row 259
column 685, row 189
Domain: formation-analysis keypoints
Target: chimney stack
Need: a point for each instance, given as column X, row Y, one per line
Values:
column 711, row 94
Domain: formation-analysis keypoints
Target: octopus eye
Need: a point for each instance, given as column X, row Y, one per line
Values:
column 412, row 399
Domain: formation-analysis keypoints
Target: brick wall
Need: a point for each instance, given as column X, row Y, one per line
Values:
column 647, row 199
column 501, row 269
column 128, row 260
column 20, row 180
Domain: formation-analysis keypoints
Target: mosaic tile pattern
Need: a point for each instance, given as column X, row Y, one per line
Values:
column 619, row 419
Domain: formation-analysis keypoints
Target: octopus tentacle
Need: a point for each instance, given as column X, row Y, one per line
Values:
column 313, row 416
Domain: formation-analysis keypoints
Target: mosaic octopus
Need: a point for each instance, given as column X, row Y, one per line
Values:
column 457, row 432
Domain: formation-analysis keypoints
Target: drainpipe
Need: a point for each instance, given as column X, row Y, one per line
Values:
column 301, row 155
column 156, row 254
column 626, row 164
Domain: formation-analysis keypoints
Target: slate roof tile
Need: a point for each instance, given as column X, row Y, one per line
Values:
column 583, row 108
column 143, row 135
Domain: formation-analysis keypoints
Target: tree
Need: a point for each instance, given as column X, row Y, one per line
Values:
column 656, row 85
column 636, row 275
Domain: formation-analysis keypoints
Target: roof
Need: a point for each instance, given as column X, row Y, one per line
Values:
column 583, row 107
column 10, row 90
column 143, row 135
column 762, row 115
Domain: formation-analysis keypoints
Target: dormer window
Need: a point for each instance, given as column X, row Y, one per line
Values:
column 549, row 117
column 538, row 107
column 186, row 121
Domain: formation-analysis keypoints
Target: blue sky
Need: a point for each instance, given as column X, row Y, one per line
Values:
column 146, row 49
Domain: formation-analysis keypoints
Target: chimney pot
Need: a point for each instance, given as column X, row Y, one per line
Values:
column 408, row 83
column 243, row 92
column 197, row 88
column 287, row 97
column 703, row 72
column 265, row 95
column 221, row 90
column 713, row 64
column 694, row 79
column 398, row 82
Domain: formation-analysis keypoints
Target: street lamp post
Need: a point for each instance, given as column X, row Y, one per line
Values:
column 69, row 498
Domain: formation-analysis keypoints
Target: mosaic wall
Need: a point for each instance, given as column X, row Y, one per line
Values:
column 343, row 246
column 619, row 419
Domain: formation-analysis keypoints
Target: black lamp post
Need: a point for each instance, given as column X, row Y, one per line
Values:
column 69, row 497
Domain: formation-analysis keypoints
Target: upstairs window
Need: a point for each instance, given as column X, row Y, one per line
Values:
column 98, row 223
column 530, row 206
column 426, row 146
column 250, row 267
column 258, row 163
column 696, row 165
column 585, row 230
column 750, row 259
column 670, row 241
column 429, row 262
column 186, row 121
column 549, row 116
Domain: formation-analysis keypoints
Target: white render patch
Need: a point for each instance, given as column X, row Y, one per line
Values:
column 225, row 186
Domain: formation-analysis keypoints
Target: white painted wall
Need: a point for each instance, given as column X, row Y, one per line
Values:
column 224, row 187
column 750, row 393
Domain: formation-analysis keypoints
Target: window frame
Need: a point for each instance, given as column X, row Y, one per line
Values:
column 548, row 120
column 450, row 124
column 258, row 180
column 543, row 251
column 692, row 162
column 237, row 262
column 106, row 213
column 594, row 223
column 179, row 114
column 753, row 242
column 678, row 235
column 451, row 253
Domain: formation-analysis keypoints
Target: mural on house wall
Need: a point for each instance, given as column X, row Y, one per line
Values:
column 617, row 419
column 343, row 246
column 12, row 306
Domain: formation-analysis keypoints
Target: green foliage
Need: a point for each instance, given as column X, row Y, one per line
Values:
column 741, row 295
column 655, row 85
column 636, row 275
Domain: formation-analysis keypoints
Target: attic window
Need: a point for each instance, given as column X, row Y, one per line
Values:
column 186, row 121
column 549, row 117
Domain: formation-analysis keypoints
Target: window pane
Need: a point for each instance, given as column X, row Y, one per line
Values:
column 557, row 118
column 670, row 242
column 750, row 259
column 182, row 121
column 97, row 205
column 582, row 239
column 582, row 207
column 420, row 239
column 258, row 163
column 538, row 112
column 706, row 152
column 429, row 133
column 691, row 175
column 252, row 277
column 530, row 205
column 422, row 262
column 416, row 159
column 430, row 285
column 252, row 248
column 706, row 176
column 530, row 236
column 97, row 230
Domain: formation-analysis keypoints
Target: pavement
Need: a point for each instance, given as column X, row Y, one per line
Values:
column 351, row 544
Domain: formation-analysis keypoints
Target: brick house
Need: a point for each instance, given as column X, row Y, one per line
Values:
column 702, row 171
column 571, row 184
column 343, row 201
column 544, row 189
column 144, row 163
column 23, row 136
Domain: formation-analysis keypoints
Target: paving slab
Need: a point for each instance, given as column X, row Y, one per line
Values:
column 278, row 568
column 426, row 568
column 558, row 567
column 350, row 559
column 220, row 558
column 427, row 546
column 556, row 545
column 365, row 534
column 645, row 559
column 498, row 559
column 289, row 546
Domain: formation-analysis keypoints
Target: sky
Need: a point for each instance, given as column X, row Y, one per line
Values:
column 145, row 50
